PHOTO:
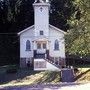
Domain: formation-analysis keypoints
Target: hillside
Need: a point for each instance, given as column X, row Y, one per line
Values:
column 27, row 77
column 83, row 75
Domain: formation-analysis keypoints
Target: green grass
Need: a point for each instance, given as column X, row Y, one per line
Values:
column 83, row 75
column 28, row 77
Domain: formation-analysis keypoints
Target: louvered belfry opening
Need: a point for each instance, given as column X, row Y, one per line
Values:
column 40, row 1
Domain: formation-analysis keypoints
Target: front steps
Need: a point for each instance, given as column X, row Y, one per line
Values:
column 46, row 64
column 42, row 64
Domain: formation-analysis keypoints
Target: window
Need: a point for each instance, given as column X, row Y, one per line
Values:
column 28, row 45
column 56, row 45
column 41, row 32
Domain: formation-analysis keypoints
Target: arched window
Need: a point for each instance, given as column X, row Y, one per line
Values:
column 56, row 45
column 28, row 45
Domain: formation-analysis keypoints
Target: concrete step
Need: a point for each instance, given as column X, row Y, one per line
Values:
column 49, row 64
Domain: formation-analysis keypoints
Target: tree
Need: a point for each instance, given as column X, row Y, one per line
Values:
column 16, row 15
column 60, row 13
column 78, row 38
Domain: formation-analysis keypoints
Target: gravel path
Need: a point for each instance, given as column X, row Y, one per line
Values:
column 63, row 86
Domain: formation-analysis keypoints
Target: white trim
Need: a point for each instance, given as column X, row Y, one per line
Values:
column 41, row 39
column 25, row 30
column 33, row 27
column 57, row 29
column 41, row 4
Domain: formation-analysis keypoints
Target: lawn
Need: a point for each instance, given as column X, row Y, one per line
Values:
column 28, row 77
column 83, row 75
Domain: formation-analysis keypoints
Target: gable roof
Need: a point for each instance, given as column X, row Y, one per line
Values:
column 25, row 30
column 49, row 26
column 57, row 29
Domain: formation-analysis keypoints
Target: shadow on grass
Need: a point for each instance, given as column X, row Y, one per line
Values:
column 49, row 77
column 80, row 75
column 21, row 74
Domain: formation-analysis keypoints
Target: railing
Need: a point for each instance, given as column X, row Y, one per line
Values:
column 59, row 62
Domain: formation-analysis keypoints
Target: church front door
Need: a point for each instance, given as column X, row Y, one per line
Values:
column 41, row 47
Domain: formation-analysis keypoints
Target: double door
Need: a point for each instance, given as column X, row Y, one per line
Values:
column 41, row 47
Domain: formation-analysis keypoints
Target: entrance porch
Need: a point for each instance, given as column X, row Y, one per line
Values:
column 41, row 48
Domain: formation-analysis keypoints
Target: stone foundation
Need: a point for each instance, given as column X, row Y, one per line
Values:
column 24, row 62
column 29, row 62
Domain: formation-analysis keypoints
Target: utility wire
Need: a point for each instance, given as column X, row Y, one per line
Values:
column 7, row 33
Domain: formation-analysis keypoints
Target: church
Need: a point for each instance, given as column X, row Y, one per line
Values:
column 42, row 45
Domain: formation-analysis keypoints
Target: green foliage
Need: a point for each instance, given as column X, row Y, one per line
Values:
column 60, row 13
column 9, row 49
column 18, row 14
column 78, row 37
column 15, row 15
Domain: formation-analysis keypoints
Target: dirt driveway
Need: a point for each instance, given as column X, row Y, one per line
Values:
column 63, row 86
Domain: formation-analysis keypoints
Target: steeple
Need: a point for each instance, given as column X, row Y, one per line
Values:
column 41, row 17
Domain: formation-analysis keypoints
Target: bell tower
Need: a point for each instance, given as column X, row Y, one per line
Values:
column 41, row 17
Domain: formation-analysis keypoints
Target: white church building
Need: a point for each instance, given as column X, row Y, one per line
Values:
column 42, row 45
